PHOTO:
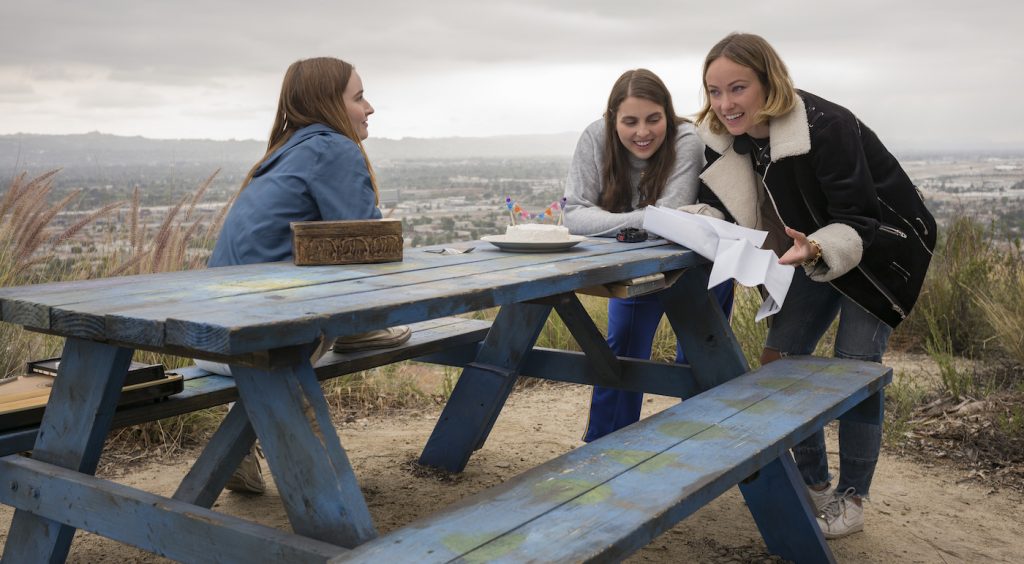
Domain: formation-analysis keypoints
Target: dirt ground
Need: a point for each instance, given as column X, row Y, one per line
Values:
column 918, row 512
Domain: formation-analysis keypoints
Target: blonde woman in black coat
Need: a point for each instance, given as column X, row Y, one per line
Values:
column 838, row 206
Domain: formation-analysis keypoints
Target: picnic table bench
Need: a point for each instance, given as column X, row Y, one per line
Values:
column 606, row 498
column 204, row 389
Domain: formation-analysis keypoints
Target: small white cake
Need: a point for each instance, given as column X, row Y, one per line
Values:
column 537, row 233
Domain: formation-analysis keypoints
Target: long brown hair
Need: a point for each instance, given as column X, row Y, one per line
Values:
column 616, row 192
column 312, row 92
column 755, row 53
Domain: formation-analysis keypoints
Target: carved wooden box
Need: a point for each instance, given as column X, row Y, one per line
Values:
column 347, row 242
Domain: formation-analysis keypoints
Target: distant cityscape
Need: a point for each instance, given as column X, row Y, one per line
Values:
column 439, row 195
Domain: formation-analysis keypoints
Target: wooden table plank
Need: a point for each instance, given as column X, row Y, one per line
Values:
column 273, row 324
column 144, row 327
column 89, row 319
column 29, row 305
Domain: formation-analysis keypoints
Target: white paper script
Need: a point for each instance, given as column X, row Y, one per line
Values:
column 735, row 251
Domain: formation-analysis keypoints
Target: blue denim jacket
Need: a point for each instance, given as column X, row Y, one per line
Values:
column 318, row 174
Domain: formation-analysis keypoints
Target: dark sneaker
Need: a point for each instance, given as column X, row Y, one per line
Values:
column 841, row 517
column 248, row 477
column 379, row 339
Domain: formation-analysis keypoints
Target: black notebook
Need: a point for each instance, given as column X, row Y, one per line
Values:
column 138, row 372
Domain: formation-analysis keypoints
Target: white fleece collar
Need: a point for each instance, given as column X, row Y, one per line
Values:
column 790, row 135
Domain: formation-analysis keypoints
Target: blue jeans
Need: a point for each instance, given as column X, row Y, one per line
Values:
column 806, row 315
column 632, row 323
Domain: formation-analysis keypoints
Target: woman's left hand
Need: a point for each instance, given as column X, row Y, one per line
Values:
column 801, row 251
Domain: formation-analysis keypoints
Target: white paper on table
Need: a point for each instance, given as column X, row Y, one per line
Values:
column 735, row 251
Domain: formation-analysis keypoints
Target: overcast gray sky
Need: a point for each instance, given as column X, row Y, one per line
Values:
column 935, row 74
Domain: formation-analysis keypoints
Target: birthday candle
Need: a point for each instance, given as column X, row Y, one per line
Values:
column 508, row 204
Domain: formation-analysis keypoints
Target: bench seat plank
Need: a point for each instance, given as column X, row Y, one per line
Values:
column 164, row 526
column 204, row 390
column 608, row 498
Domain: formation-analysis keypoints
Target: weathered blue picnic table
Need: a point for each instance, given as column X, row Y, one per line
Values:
column 265, row 320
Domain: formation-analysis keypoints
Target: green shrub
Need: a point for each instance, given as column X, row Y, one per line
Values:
column 965, row 266
column 1003, row 308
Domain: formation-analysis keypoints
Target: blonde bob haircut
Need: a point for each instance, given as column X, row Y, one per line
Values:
column 312, row 92
column 753, row 52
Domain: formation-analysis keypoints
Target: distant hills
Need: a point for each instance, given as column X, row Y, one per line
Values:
column 31, row 151
column 23, row 151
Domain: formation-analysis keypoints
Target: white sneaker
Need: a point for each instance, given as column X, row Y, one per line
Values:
column 819, row 499
column 248, row 477
column 841, row 516
column 379, row 339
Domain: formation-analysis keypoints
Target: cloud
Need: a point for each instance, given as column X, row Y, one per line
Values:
column 459, row 67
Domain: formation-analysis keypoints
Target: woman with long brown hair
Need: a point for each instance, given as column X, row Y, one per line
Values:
column 639, row 154
column 315, row 168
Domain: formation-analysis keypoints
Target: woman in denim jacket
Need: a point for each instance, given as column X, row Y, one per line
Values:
column 315, row 168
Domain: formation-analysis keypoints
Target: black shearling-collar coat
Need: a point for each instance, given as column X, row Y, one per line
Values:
column 830, row 177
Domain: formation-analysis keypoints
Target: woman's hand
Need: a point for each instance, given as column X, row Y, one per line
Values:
column 802, row 250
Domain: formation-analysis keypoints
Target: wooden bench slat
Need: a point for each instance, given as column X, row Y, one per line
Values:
column 164, row 526
column 612, row 495
column 204, row 390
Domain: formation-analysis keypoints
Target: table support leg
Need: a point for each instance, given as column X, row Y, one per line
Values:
column 779, row 503
column 606, row 370
column 89, row 384
column 207, row 477
column 289, row 413
column 484, row 386
column 696, row 317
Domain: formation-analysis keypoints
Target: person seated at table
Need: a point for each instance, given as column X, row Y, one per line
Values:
column 623, row 164
column 315, row 168
column 822, row 184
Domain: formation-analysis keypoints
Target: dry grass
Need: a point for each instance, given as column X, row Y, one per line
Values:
column 28, row 255
column 28, row 243
column 27, row 238
column 167, row 249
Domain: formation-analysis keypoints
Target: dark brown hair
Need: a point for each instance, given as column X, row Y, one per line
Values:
column 616, row 192
column 312, row 92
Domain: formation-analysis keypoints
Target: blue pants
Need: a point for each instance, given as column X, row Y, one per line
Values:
column 796, row 329
column 632, row 323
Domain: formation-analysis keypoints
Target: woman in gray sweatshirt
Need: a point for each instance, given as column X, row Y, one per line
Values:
column 639, row 154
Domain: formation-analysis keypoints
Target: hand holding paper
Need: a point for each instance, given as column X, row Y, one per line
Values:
column 735, row 251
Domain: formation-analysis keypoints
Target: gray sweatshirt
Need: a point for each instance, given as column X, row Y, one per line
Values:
column 583, row 215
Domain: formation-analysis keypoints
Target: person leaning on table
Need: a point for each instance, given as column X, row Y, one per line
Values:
column 314, row 169
column 623, row 164
column 837, row 203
